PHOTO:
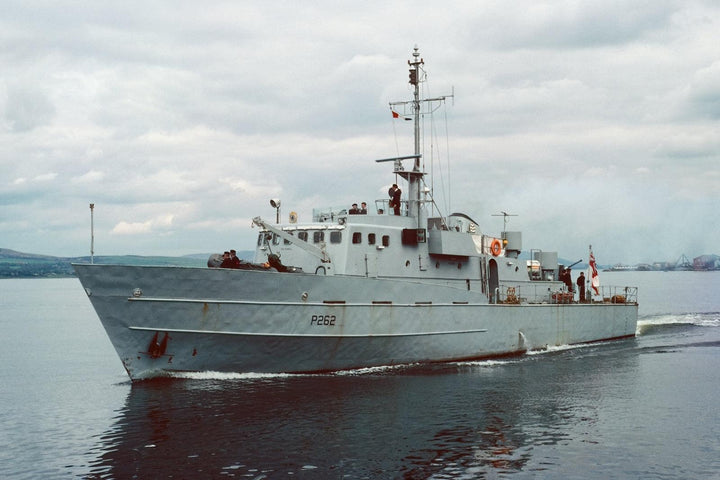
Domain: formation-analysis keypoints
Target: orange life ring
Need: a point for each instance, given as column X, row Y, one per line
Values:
column 495, row 247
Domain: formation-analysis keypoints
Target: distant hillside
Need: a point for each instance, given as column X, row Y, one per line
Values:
column 15, row 264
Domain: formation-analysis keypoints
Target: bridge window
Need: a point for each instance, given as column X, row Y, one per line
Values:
column 318, row 237
column 335, row 237
column 357, row 237
column 302, row 236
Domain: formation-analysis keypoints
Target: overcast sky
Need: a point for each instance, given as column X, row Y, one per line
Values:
column 593, row 122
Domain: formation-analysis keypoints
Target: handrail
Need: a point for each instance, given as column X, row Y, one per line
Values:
column 534, row 293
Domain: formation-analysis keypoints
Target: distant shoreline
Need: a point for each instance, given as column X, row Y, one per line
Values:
column 14, row 264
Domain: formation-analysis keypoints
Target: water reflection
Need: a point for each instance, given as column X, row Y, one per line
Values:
column 469, row 450
column 453, row 421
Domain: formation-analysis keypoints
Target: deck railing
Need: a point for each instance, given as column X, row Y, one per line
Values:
column 509, row 294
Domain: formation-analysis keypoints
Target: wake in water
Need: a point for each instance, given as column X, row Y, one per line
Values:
column 222, row 376
column 654, row 323
column 676, row 333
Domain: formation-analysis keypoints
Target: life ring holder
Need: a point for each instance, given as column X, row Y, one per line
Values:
column 495, row 247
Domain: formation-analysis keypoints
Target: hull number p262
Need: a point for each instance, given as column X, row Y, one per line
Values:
column 324, row 320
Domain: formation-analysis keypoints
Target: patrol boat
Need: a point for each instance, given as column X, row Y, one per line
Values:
column 348, row 291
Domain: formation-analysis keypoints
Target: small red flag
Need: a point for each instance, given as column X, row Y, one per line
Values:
column 395, row 114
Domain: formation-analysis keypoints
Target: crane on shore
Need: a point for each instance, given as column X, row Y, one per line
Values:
column 683, row 263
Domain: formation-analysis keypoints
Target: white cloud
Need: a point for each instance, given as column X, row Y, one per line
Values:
column 157, row 224
column 45, row 177
column 92, row 176
column 132, row 228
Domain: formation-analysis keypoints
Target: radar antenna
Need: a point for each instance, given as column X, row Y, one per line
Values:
column 505, row 216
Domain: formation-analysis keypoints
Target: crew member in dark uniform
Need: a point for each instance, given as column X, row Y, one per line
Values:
column 234, row 259
column 227, row 261
column 566, row 278
column 394, row 194
column 581, row 286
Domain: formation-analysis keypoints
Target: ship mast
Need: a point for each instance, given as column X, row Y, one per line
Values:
column 414, row 176
column 415, row 79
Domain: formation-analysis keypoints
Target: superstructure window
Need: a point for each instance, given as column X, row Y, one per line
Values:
column 386, row 240
column 335, row 237
column 302, row 236
column 371, row 239
column 357, row 237
column 318, row 237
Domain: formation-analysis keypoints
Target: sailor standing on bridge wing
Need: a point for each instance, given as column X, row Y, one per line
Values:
column 394, row 194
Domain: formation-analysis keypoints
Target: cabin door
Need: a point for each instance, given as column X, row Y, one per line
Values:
column 371, row 266
column 493, row 282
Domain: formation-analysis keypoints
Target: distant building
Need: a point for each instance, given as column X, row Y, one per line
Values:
column 706, row 262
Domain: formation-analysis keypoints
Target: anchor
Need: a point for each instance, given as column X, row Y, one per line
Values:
column 155, row 349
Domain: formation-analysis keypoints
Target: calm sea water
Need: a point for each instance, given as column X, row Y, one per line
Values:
column 644, row 408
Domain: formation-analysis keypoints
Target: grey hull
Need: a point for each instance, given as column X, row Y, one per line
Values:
column 170, row 319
